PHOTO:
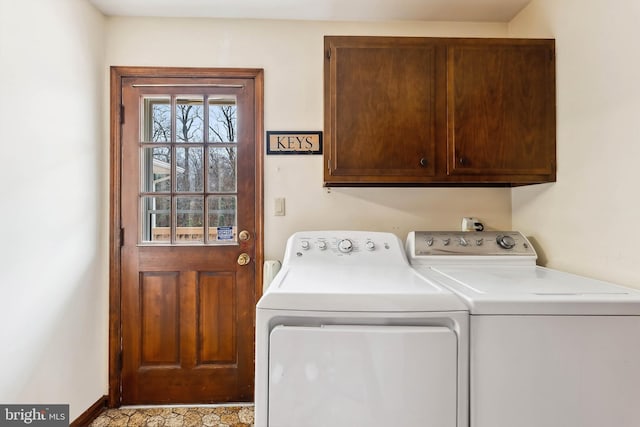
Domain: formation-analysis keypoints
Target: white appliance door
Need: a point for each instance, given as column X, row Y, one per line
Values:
column 555, row 371
column 374, row 376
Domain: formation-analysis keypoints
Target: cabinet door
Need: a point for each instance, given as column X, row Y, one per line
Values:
column 501, row 109
column 380, row 110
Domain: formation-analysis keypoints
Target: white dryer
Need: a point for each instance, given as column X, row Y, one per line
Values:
column 547, row 348
column 348, row 334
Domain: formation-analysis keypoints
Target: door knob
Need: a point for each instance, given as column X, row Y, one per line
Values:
column 244, row 235
column 244, row 259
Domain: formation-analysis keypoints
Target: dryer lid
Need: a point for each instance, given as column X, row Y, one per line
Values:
column 371, row 289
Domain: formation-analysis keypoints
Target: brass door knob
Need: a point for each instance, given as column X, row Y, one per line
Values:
column 244, row 235
column 244, row 259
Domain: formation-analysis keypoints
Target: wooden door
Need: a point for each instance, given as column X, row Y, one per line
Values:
column 191, row 233
column 501, row 109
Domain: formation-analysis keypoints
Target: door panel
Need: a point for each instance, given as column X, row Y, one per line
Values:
column 160, row 318
column 188, row 186
column 217, row 314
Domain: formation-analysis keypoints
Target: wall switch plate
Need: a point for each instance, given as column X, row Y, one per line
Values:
column 279, row 207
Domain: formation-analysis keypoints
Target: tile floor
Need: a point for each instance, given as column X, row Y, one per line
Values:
column 210, row 416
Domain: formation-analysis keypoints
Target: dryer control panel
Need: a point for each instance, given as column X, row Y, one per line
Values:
column 373, row 248
column 456, row 243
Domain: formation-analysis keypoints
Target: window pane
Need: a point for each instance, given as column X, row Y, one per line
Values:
column 222, row 169
column 189, row 219
column 173, row 146
column 222, row 120
column 156, row 219
column 156, row 169
column 156, row 119
column 189, row 165
column 222, row 219
column 189, row 119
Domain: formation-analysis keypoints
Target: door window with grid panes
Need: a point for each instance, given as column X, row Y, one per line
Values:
column 189, row 169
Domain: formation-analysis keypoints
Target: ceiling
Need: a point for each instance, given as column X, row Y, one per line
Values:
column 322, row 10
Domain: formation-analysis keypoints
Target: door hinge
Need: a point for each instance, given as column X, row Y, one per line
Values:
column 121, row 237
column 121, row 114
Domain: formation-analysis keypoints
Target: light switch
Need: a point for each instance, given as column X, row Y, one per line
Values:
column 279, row 207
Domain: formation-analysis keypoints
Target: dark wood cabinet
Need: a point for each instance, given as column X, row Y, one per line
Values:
column 421, row 111
column 381, row 125
column 501, row 109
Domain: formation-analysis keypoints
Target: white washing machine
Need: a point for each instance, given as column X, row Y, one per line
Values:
column 547, row 348
column 348, row 334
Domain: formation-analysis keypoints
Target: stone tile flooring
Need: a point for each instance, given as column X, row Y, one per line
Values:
column 210, row 416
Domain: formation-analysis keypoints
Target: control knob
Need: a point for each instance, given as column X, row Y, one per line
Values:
column 305, row 245
column 370, row 245
column 322, row 245
column 505, row 242
column 345, row 246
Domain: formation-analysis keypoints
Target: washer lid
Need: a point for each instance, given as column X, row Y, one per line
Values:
column 535, row 290
column 357, row 289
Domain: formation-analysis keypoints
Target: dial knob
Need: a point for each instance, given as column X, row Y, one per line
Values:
column 479, row 242
column 322, row 245
column 345, row 246
column 305, row 245
column 463, row 241
column 430, row 241
column 446, row 241
column 370, row 245
column 505, row 242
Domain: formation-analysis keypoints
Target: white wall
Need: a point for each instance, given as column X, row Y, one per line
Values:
column 291, row 53
column 589, row 220
column 53, row 216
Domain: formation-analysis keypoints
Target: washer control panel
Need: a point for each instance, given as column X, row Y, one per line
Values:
column 482, row 243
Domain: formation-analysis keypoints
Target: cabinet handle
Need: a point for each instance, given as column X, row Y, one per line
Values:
column 423, row 162
column 462, row 160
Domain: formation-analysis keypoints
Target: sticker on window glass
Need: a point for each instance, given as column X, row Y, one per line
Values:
column 225, row 233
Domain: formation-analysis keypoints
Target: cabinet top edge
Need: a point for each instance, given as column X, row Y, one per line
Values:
column 444, row 40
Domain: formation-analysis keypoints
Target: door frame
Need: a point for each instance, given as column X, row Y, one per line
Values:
column 115, row 226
